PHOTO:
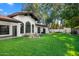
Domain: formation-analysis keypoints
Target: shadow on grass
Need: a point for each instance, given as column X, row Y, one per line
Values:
column 56, row 44
column 71, row 43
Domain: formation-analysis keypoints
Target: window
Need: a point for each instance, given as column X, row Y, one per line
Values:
column 28, row 27
column 44, row 31
column 22, row 28
column 4, row 29
column 32, row 28
column 38, row 29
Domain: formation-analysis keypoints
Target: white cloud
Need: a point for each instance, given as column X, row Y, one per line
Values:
column 1, row 10
column 10, row 4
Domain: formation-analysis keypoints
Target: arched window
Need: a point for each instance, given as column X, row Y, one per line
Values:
column 28, row 27
column 32, row 28
column 22, row 28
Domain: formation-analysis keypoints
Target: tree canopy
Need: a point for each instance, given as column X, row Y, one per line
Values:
column 52, row 12
column 69, row 12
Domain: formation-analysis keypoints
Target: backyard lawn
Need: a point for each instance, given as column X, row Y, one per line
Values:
column 55, row 44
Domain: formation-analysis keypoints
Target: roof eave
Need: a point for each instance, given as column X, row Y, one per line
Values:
column 41, row 25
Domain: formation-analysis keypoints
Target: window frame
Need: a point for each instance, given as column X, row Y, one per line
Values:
column 22, row 28
column 4, row 29
column 32, row 28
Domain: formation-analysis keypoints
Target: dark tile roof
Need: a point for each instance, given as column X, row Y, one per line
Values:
column 5, row 18
column 23, row 13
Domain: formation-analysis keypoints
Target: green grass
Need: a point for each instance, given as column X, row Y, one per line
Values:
column 55, row 44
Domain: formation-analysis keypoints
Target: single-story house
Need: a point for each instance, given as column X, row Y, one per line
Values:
column 21, row 23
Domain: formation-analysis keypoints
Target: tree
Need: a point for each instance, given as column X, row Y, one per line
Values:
column 69, row 12
column 45, row 11
column 40, row 10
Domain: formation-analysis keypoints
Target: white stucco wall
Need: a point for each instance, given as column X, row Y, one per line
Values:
column 41, row 29
column 67, row 30
column 25, row 19
column 10, row 27
column 56, row 30
column 64, row 30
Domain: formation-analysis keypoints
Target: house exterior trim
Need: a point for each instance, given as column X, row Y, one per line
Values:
column 23, row 13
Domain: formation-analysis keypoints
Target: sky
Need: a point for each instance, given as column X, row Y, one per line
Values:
column 9, row 8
